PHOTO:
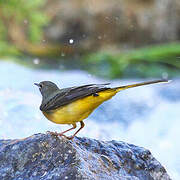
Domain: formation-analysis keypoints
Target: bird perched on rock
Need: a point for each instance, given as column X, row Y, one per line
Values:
column 74, row 104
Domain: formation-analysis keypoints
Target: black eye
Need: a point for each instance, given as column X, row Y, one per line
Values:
column 40, row 85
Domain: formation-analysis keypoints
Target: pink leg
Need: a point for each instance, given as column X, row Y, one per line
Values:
column 62, row 133
column 71, row 137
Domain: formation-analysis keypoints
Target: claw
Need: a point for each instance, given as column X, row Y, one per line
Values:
column 68, row 137
column 53, row 133
column 60, row 134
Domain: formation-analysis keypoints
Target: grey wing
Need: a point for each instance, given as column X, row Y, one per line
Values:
column 66, row 96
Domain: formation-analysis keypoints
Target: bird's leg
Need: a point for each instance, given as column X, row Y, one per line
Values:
column 71, row 137
column 62, row 133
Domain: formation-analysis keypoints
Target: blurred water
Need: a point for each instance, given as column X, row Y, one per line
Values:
column 146, row 116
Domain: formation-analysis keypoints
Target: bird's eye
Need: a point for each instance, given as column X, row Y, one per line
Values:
column 40, row 85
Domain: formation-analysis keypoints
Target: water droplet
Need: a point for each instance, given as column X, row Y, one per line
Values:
column 62, row 54
column 36, row 61
column 164, row 75
column 116, row 18
column 71, row 41
column 99, row 37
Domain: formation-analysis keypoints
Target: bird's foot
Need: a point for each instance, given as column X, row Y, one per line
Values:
column 68, row 137
column 60, row 134
column 52, row 133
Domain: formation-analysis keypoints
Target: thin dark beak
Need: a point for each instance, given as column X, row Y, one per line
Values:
column 37, row 84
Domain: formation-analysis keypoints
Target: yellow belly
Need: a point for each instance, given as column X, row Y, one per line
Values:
column 79, row 109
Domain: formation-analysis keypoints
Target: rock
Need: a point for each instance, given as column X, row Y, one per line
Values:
column 43, row 156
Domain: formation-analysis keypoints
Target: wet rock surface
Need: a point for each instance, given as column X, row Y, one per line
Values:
column 43, row 156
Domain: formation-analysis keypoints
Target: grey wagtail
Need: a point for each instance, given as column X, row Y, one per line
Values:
column 74, row 104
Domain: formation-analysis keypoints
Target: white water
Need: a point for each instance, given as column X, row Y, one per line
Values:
column 145, row 116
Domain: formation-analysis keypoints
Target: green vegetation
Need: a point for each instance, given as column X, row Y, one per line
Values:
column 21, row 24
column 151, row 61
column 21, row 29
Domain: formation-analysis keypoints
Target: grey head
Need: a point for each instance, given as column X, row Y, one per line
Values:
column 47, row 88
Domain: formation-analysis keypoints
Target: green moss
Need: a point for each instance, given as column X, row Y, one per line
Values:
column 143, row 62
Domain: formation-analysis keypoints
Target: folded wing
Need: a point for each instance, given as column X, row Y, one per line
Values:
column 68, row 95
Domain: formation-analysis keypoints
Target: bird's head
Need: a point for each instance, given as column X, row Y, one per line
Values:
column 47, row 88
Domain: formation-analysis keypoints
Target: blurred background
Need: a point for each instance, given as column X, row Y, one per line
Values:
column 86, row 41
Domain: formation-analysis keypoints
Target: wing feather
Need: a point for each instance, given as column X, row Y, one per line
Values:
column 68, row 95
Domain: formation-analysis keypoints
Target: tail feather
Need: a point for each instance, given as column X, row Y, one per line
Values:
column 141, row 84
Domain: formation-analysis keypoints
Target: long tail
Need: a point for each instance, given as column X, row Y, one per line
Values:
column 140, row 84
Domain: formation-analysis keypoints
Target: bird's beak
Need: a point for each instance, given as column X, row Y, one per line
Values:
column 37, row 84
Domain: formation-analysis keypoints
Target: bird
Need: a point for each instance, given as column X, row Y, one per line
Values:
column 74, row 104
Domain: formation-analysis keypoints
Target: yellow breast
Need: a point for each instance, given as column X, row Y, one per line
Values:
column 79, row 109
